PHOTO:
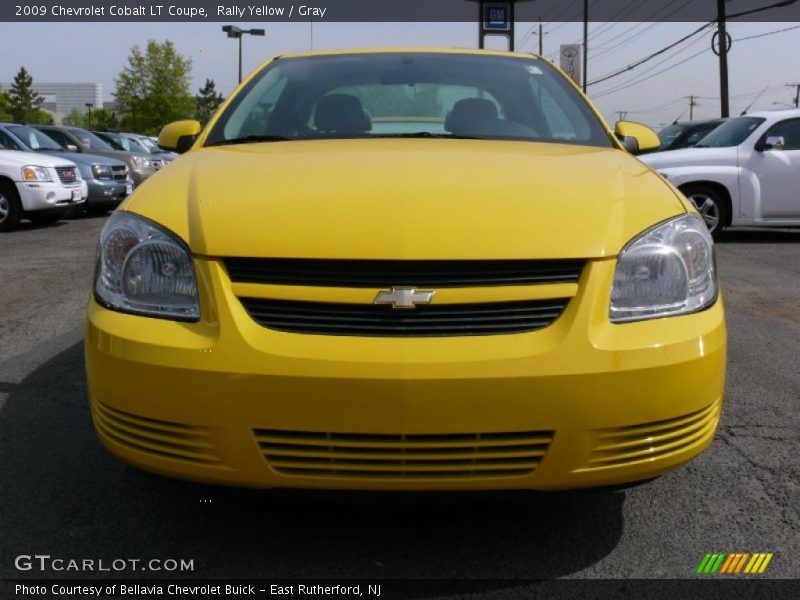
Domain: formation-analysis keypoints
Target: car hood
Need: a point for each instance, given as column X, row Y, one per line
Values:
column 404, row 199
column 21, row 159
column 82, row 159
column 691, row 157
column 117, row 154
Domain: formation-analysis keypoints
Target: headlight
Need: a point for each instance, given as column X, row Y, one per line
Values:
column 142, row 162
column 668, row 270
column 144, row 269
column 102, row 171
column 32, row 173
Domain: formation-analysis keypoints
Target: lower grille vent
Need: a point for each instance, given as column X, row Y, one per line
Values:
column 397, row 456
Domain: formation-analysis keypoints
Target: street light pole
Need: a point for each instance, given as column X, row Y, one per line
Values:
column 237, row 32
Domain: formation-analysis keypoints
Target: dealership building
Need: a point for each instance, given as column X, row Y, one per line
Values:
column 60, row 99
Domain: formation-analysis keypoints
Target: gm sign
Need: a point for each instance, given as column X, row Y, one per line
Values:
column 497, row 16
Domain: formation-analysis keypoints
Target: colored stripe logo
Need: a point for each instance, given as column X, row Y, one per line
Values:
column 734, row 563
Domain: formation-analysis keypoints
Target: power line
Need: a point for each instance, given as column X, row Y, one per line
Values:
column 652, row 17
column 648, row 58
column 638, row 79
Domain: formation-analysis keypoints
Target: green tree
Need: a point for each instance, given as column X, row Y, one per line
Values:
column 100, row 119
column 24, row 102
column 207, row 101
column 153, row 88
column 40, row 117
column 5, row 106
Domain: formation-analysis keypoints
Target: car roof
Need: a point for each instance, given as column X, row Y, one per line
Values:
column 771, row 114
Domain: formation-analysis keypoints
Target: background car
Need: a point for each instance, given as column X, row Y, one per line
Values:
column 153, row 147
column 40, row 187
column 107, row 178
column 745, row 172
column 687, row 134
column 129, row 143
column 75, row 139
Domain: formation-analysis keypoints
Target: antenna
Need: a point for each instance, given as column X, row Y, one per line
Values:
column 744, row 112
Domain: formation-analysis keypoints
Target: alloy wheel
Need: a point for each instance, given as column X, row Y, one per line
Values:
column 708, row 209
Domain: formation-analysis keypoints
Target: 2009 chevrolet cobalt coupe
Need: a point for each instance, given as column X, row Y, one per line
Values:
column 406, row 269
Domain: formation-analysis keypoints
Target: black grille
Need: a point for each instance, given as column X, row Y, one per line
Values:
column 388, row 273
column 329, row 318
column 120, row 172
column 67, row 174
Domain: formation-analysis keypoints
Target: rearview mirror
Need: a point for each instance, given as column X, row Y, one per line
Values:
column 179, row 136
column 72, row 148
column 636, row 137
column 773, row 142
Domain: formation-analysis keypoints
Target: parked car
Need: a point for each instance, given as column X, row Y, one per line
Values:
column 686, row 134
column 40, row 187
column 152, row 147
column 120, row 141
column 745, row 172
column 427, row 269
column 107, row 178
column 75, row 139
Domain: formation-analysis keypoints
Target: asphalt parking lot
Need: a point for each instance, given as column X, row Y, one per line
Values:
column 63, row 495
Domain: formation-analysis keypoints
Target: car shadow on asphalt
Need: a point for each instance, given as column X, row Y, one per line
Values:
column 69, row 497
column 759, row 236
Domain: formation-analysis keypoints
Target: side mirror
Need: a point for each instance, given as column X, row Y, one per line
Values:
column 636, row 137
column 179, row 136
column 72, row 148
column 773, row 142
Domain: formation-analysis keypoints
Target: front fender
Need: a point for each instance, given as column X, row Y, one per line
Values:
column 727, row 177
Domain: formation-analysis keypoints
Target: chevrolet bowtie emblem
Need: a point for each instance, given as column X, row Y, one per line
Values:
column 403, row 297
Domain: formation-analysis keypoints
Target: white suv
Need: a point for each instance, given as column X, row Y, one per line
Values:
column 42, row 188
column 745, row 172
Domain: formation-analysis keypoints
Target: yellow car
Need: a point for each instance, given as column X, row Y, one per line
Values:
column 406, row 269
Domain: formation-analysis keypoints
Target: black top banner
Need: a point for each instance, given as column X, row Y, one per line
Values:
column 395, row 10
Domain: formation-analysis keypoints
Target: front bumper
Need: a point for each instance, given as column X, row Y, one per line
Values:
column 139, row 175
column 107, row 191
column 46, row 195
column 580, row 403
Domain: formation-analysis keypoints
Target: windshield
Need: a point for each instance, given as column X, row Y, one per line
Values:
column 409, row 95
column 731, row 133
column 150, row 145
column 89, row 140
column 670, row 134
column 33, row 138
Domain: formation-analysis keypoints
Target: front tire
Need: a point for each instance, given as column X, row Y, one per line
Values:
column 709, row 204
column 10, row 208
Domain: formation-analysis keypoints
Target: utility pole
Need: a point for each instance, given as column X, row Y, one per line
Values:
column 796, row 94
column 723, row 47
column 541, row 40
column 692, row 104
column 586, row 43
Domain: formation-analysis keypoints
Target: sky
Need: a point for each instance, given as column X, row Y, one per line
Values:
column 89, row 52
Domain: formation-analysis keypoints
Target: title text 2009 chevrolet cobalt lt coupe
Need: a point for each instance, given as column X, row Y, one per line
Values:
column 406, row 269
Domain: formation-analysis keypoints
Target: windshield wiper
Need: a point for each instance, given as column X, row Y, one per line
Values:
column 252, row 139
column 701, row 146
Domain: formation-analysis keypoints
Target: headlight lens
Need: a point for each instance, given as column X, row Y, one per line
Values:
column 142, row 162
column 666, row 271
column 102, row 171
column 32, row 173
column 146, row 270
